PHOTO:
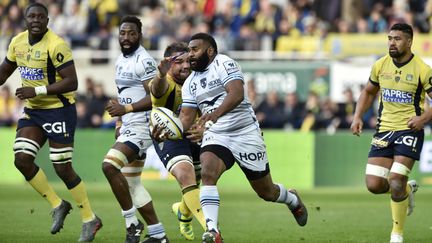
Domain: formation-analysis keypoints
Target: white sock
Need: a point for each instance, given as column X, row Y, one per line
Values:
column 209, row 199
column 287, row 197
column 156, row 231
column 130, row 217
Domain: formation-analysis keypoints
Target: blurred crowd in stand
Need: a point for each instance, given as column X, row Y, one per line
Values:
column 236, row 24
column 273, row 110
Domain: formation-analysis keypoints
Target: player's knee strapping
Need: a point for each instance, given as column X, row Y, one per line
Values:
column 139, row 194
column 400, row 169
column 377, row 170
column 178, row 159
column 116, row 158
column 61, row 155
column 25, row 145
column 133, row 169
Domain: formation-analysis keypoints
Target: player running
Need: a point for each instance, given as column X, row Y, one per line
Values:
column 402, row 79
column 124, row 162
column 48, row 83
column 180, row 157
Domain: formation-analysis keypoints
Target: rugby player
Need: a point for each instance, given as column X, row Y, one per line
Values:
column 216, row 89
column 180, row 157
column 402, row 79
column 124, row 162
column 49, row 80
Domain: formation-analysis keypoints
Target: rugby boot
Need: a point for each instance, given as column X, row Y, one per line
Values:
column 89, row 230
column 185, row 223
column 300, row 212
column 411, row 204
column 133, row 233
column 58, row 215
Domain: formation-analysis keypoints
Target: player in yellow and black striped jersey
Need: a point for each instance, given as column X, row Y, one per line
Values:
column 179, row 156
column 49, row 80
column 402, row 79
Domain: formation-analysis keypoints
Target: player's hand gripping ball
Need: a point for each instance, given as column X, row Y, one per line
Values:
column 165, row 118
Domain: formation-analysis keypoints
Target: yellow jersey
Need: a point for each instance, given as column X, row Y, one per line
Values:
column 171, row 99
column 39, row 64
column 402, row 91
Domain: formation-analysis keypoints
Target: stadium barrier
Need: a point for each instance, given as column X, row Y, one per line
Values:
column 301, row 160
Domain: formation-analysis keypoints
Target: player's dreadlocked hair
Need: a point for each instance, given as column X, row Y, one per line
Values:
column 207, row 38
column 134, row 20
column 176, row 47
column 38, row 5
column 405, row 28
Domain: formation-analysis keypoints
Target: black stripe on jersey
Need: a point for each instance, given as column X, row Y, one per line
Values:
column 373, row 82
column 51, row 74
column 10, row 62
column 380, row 109
column 65, row 65
column 417, row 98
column 170, row 100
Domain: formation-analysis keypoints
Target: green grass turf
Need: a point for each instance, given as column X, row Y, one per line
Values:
column 335, row 215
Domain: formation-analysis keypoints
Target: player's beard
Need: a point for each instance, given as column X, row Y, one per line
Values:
column 396, row 54
column 131, row 49
column 201, row 63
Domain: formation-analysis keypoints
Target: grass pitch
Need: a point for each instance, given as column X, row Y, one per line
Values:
column 335, row 215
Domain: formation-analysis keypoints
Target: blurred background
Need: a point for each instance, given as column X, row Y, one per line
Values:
column 305, row 62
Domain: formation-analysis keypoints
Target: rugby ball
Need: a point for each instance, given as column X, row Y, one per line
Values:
column 165, row 118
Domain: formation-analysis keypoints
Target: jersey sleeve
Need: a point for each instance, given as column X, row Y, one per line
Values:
column 10, row 57
column 162, row 100
column 145, row 68
column 373, row 78
column 188, row 94
column 61, row 55
column 426, row 78
column 229, row 70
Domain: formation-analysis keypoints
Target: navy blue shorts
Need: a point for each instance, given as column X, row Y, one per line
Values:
column 407, row 143
column 172, row 148
column 58, row 124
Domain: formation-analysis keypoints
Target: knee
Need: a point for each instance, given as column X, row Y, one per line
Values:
column 20, row 163
column 209, row 177
column 109, row 169
column 397, row 187
column 377, row 186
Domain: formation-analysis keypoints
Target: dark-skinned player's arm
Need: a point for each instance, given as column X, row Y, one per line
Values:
column 144, row 104
column 68, row 83
column 235, row 95
column 159, row 85
column 417, row 123
column 6, row 69
column 365, row 101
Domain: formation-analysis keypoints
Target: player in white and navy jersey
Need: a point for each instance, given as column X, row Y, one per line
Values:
column 124, row 162
column 216, row 89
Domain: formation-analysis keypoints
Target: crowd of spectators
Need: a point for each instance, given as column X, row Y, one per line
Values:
column 273, row 110
column 238, row 24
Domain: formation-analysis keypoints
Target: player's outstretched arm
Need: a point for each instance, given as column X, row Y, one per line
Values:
column 6, row 70
column 159, row 84
column 365, row 101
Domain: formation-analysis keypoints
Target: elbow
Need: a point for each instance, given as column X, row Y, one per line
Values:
column 73, row 86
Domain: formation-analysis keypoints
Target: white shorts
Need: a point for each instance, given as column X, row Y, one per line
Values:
column 137, row 137
column 247, row 146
